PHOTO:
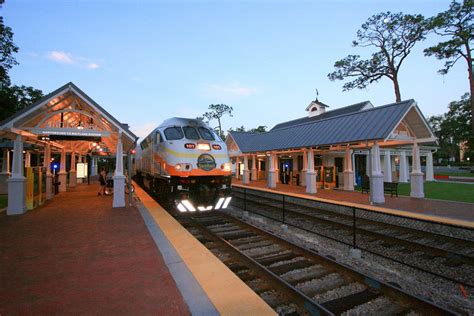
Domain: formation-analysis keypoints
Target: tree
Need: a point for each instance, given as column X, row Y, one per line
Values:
column 7, row 49
column 15, row 98
column 457, row 25
column 216, row 112
column 453, row 128
column 393, row 35
column 259, row 129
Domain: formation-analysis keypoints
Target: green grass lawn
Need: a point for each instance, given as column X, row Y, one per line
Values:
column 3, row 201
column 443, row 191
column 455, row 174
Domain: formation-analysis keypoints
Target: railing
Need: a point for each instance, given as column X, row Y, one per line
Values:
column 355, row 225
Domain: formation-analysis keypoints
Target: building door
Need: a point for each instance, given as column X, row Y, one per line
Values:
column 286, row 170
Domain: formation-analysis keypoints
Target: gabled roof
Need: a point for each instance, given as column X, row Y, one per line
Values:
column 367, row 125
column 10, row 121
column 341, row 111
column 316, row 102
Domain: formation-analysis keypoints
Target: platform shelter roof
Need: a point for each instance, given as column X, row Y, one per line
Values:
column 68, row 118
column 393, row 124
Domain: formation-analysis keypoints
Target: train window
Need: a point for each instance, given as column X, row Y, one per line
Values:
column 205, row 133
column 159, row 138
column 190, row 132
column 173, row 133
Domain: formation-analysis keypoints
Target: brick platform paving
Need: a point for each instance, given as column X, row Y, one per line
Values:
column 454, row 210
column 78, row 255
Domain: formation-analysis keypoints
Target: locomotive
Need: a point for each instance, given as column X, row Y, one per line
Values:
column 185, row 164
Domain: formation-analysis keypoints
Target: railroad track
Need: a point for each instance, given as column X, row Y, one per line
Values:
column 297, row 281
column 448, row 257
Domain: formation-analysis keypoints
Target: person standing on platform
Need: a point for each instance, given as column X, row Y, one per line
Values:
column 102, row 176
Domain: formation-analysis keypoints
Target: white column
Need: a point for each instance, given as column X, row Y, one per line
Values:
column 93, row 166
column 119, row 178
column 429, row 167
column 271, row 183
column 17, row 182
column 305, row 168
column 72, row 171
column 367, row 165
column 27, row 159
column 62, row 172
column 246, row 175
column 49, row 175
column 387, row 167
column 6, row 161
column 295, row 166
column 237, row 168
column 376, row 177
column 403, row 167
column 416, row 176
column 348, row 171
column 310, row 174
column 277, row 169
column 254, row 168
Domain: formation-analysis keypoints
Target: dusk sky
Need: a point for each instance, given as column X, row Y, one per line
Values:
column 145, row 61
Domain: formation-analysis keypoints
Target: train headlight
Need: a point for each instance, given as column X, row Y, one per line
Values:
column 189, row 205
column 226, row 166
column 204, row 146
column 181, row 208
column 219, row 203
column 226, row 202
column 178, row 167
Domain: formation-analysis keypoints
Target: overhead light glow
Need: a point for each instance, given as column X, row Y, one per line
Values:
column 203, row 209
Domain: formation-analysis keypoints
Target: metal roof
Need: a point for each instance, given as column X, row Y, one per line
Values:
column 372, row 124
column 341, row 111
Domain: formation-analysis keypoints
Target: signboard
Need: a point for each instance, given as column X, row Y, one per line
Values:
column 81, row 170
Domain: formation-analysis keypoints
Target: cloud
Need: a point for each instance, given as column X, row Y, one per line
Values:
column 228, row 90
column 92, row 66
column 69, row 59
column 61, row 57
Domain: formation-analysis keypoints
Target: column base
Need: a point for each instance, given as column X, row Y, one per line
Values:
column 119, row 191
column 303, row 178
column 72, row 179
column 416, row 185
column 311, row 182
column 246, row 177
column 254, row 175
column 62, row 178
column 271, row 183
column 16, row 196
column 376, row 187
column 348, row 180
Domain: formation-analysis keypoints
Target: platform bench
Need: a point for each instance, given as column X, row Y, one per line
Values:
column 390, row 187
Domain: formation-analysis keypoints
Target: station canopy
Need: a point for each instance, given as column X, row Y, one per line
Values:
column 359, row 125
column 69, row 119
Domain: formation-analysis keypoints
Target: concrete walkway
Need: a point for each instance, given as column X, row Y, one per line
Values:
column 78, row 255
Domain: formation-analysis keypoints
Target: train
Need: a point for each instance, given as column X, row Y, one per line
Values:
column 185, row 164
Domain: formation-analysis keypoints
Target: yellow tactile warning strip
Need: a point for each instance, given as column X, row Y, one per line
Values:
column 227, row 292
column 433, row 218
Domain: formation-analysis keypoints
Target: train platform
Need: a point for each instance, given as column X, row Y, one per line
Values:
column 78, row 255
column 447, row 212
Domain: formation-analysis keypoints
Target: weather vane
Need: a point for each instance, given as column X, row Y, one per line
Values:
column 317, row 94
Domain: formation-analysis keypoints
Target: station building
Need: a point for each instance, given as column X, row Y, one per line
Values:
column 68, row 122
column 341, row 148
